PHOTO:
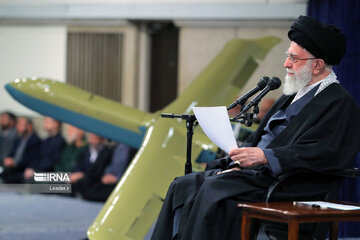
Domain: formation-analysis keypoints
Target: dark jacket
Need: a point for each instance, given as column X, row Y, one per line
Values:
column 50, row 153
column 94, row 171
column 322, row 137
column 31, row 152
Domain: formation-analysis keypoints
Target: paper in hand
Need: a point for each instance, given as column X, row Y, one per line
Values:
column 216, row 124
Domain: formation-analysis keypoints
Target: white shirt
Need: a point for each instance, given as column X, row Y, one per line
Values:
column 93, row 154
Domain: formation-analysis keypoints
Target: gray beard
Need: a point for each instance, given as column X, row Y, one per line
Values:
column 300, row 79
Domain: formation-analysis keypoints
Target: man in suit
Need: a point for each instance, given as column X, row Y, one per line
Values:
column 7, row 134
column 50, row 152
column 120, row 159
column 90, row 169
column 26, row 149
column 313, row 127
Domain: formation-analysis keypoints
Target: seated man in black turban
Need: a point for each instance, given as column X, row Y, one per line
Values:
column 313, row 127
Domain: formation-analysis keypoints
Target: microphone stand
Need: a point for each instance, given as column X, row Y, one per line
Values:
column 246, row 118
column 190, row 119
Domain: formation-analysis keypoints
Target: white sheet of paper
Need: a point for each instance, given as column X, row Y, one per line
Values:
column 330, row 205
column 216, row 124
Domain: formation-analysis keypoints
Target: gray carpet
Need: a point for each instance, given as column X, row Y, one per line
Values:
column 55, row 217
column 37, row 217
column 40, row 216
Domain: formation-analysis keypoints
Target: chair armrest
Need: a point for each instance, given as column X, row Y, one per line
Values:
column 278, row 181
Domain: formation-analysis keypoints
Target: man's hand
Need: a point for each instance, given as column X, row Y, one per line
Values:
column 109, row 179
column 248, row 156
column 75, row 176
column 9, row 162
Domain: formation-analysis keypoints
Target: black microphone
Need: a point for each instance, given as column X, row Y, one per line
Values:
column 274, row 83
column 242, row 100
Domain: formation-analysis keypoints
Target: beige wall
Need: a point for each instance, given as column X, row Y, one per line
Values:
column 198, row 46
column 28, row 51
column 37, row 50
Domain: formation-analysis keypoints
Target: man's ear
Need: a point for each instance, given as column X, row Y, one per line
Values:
column 319, row 66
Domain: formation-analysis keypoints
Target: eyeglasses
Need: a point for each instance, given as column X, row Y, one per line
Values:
column 293, row 59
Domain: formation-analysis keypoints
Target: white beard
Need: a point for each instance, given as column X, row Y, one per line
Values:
column 300, row 79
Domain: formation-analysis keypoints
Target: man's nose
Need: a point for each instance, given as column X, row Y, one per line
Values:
column 287, row 63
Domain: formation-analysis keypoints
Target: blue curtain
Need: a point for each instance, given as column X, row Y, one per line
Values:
column 345, row 14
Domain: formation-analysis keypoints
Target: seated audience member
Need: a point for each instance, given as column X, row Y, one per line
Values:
column 100, row 191
column 7, row 134
column 313, row 127
column 26, row 148
column 75, row 147
column 91, row 166
column 50, row 152
column 120, row 160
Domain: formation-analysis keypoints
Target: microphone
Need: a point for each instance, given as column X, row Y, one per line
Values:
column 274, row 83
column 241, row 100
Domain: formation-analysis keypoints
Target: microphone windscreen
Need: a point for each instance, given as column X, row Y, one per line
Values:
column 274, row 83
column 263, row 82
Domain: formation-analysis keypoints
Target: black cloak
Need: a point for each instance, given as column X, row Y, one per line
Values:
column 324, row 136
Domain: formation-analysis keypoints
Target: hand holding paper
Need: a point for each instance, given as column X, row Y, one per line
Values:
column 216, row 124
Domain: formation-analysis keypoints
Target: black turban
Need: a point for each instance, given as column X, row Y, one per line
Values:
column 321, row 40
